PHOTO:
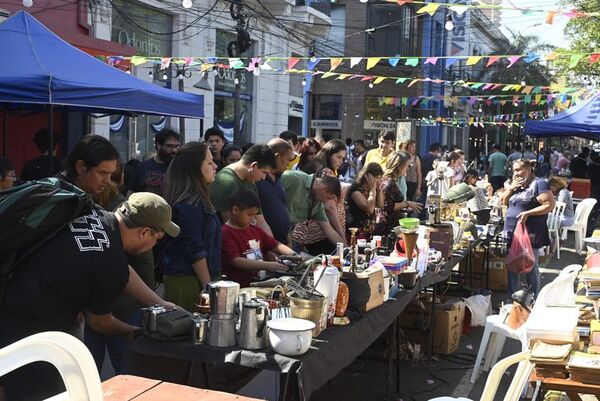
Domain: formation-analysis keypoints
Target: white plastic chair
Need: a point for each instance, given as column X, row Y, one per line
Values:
column 496, row 332
column 70, row 356
column 554, row 219
column 582, row 214
column 518, row 383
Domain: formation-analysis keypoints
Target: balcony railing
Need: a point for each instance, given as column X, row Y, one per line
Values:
column 323, row 6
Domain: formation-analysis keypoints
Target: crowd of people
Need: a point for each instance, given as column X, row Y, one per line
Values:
column 195, row 211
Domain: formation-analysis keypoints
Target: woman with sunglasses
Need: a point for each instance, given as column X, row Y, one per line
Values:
column 529, row 201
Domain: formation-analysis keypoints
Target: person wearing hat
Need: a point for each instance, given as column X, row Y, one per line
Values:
column 497, row 167
column 83, row 268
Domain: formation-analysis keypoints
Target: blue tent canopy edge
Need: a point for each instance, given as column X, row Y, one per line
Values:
column 39, row 68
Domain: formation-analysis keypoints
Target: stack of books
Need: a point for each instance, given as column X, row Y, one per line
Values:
column 550, row 359
column 591, row 280
column 584, row 367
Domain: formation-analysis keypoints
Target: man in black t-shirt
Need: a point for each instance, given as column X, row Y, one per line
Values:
column 82, row 269
column 150, row 174
column 39, row 167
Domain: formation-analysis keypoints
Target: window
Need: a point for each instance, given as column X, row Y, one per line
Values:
column 398, row 37
column 327, row 107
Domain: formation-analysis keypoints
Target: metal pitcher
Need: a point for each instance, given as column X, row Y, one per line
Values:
column 253, row 328
column 223, row 296
column 149, row 315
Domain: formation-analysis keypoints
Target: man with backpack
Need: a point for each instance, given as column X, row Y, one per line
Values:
column 83, row 268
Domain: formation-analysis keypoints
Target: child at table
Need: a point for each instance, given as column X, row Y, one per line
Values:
column 245, row 248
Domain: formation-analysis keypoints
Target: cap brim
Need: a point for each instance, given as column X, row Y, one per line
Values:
column 171, row 229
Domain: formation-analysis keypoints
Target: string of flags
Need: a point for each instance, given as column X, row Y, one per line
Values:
column 253, row 63
column 256, row 64
column 509, row 120
column 563, row 100
column 378, row 79
column 432, row 8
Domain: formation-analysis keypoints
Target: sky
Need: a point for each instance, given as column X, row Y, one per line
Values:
column 536, row 22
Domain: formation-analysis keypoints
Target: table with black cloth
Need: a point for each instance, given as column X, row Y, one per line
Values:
column 333, row 350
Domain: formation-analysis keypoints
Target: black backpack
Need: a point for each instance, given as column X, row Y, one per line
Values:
column 31, row 214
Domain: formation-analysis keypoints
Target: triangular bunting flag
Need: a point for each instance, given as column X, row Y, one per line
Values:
column 328, row 74
column 527, row 90
column 550, row 17
column 335, row 63
column 575, row 60
column 512, row 60
column 401, row 80
column 165, row 62
column 450, row 61
column 354, row 61
column 430, row 8
column 366, row 78
column 402, row 2
column 372, row 62
column 492, row 60
column 342, row 76
column 393, row 61
column 137, row 60
column 473, row 60
column 414, row 81
column 531, row 57
column 379, row 80
column 592, row 59
column 431, row 60
column 458, row 9
column 292, row 61
column 413, row 62
column 551, row 56
column 537, row 89
column 312, row 63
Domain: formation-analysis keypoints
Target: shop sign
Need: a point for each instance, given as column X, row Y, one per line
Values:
column 326, row 124
column 380, row 125
column 146, row 19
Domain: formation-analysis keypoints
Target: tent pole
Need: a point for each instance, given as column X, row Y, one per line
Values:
column 51, row 137
column 5, row 134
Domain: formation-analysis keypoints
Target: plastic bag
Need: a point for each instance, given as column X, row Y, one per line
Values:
column 480, row 307
column 520, row 257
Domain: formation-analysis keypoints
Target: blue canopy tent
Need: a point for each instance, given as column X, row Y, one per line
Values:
column 39, row 68
column 582, row 120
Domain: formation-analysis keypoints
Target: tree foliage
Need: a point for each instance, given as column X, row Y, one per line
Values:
column 584, row 37
column 534, row 73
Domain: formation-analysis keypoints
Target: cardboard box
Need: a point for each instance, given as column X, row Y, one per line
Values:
column 449, row 318
column 498, row 275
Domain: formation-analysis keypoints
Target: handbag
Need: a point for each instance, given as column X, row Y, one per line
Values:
column 174, row 323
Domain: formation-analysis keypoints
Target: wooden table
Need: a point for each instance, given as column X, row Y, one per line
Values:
column 571, row 387
column 125, row 388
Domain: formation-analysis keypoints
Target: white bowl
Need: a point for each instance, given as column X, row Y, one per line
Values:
column 290, row 336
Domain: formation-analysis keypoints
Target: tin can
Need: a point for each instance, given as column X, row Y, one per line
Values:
column 199, row 329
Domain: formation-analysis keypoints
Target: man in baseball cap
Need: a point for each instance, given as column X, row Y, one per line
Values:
column 83, row 268
column 145, row 209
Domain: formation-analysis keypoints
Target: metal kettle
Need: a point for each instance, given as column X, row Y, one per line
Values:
column 253, row 326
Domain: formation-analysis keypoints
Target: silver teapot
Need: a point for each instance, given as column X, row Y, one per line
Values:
column 253, row 327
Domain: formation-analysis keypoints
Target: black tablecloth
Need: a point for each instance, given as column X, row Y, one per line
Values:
column 333, row 350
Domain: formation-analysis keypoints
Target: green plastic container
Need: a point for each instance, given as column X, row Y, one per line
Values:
column 409, row 223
